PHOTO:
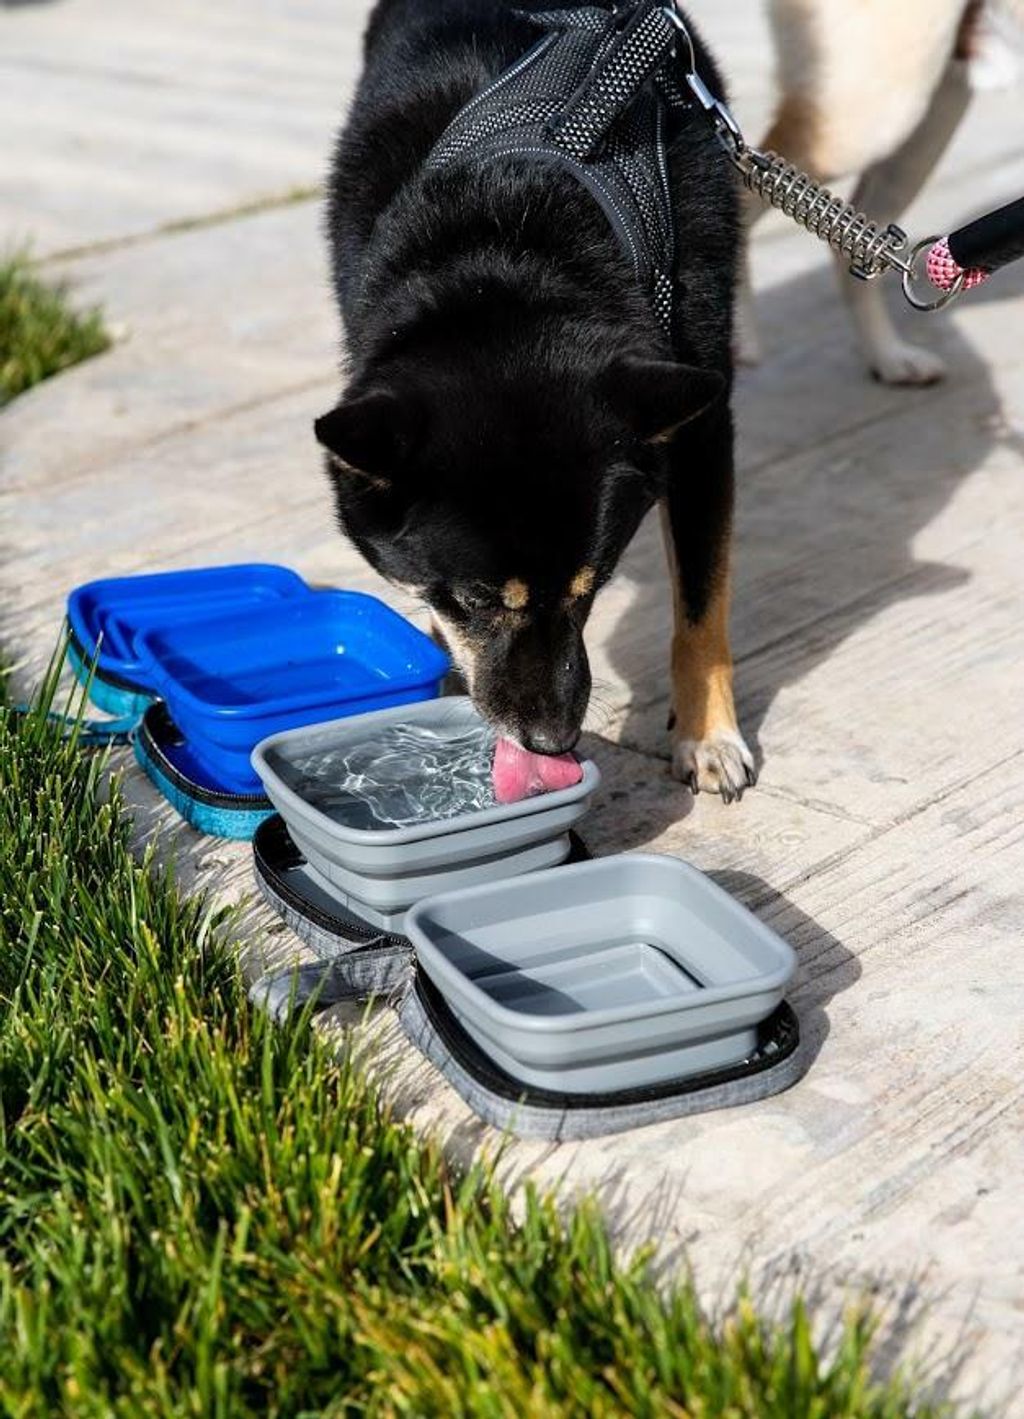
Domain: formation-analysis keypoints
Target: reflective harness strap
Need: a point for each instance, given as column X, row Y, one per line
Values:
column 593, row 97
column 641, row 52
column 646, row 42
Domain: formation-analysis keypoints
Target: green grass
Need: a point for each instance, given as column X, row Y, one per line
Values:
column 40, row 334
column 204, row 1215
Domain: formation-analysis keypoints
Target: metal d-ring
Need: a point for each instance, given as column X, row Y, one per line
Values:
column 675, row 14
column 911, row 274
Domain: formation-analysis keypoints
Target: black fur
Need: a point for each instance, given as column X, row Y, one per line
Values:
column 510, row 393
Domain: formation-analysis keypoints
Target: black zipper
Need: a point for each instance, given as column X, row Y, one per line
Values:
column 276, row 855
column 158, row 730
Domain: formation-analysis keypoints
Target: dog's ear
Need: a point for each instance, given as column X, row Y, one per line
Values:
column 369, row 435
column 656, row 397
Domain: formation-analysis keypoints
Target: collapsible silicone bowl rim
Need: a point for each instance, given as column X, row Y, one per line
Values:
column 423, row 677
column 82, row 635
column 544, row 803
column 237, row 738
column 435, row 664
column 574, row 1023
column 107, row 690
column 398, row 837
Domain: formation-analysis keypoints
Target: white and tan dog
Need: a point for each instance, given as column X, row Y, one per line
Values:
column 877, row 89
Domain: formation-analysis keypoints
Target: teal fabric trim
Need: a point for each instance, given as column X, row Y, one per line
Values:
column 234, row 824
column 90, row 733
column 112, row 699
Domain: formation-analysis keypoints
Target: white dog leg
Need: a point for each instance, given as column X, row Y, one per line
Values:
column 884, row 192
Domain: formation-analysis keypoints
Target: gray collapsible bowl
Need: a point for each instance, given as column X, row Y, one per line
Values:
column 381, row 872
column 605, row 976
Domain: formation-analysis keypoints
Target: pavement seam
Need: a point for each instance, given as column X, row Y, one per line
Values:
column 188, row 426
column 272, row 202
column 879, row 831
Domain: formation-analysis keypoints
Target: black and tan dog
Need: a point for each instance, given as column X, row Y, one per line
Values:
column 514, row 408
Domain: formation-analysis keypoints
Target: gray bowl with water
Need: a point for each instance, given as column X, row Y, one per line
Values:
column 356, row 850
column 626, row 972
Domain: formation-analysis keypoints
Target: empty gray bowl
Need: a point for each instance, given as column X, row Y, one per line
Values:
column 616, row 974
column 380, row 872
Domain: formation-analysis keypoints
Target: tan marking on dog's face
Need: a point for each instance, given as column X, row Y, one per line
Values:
column 460, row 647
column 515, row 595
column 582, row 584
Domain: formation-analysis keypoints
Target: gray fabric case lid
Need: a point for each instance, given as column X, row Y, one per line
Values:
column 356, row 963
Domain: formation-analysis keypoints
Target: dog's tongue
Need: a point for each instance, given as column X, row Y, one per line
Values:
column 518, row 774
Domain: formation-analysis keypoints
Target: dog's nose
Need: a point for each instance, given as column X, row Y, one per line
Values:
column 549, row 742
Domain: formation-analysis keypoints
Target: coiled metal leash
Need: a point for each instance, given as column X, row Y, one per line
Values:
column 950, row 265
column 872, row 249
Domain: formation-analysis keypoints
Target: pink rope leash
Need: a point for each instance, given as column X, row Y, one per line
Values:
column 944, row 272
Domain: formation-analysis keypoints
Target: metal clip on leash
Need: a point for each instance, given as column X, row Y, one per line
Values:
column 955, row 264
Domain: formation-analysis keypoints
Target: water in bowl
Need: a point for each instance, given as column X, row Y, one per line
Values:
column 405, row 775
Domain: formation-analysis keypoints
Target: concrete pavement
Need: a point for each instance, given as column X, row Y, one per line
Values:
column 880, row 576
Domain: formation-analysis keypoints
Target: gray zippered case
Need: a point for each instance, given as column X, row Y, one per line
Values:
column 356, row 961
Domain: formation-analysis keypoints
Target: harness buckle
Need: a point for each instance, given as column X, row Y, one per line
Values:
column 727, row 130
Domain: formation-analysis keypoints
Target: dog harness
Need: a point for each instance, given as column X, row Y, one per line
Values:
column 595, row 96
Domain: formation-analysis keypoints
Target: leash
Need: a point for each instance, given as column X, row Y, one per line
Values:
column 75, row 725
column 950, row 265
column 596, row 95
column 88, row 733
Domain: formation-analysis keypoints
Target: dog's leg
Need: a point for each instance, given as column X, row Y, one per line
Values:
column 708, row 751
column 885, row 192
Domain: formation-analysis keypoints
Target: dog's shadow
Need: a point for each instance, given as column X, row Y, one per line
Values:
column 826, row 517
column 825, row 968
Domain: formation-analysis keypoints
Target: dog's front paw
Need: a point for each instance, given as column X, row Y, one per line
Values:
column 904, row 364
column 722, row 764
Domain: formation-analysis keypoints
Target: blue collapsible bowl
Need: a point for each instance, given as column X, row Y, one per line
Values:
column 232, row 682
column 105, row 619
column 173, row 769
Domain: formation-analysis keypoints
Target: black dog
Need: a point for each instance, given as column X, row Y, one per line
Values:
column 514, row 407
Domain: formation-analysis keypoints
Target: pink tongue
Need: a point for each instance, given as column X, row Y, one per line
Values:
column 518, row 774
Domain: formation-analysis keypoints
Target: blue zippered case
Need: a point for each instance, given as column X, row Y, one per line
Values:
column 206, row 805
column 237, row 653
column 232, row 682
column 105, row 619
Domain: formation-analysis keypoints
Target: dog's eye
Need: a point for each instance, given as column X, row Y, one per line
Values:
column 473, row 599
